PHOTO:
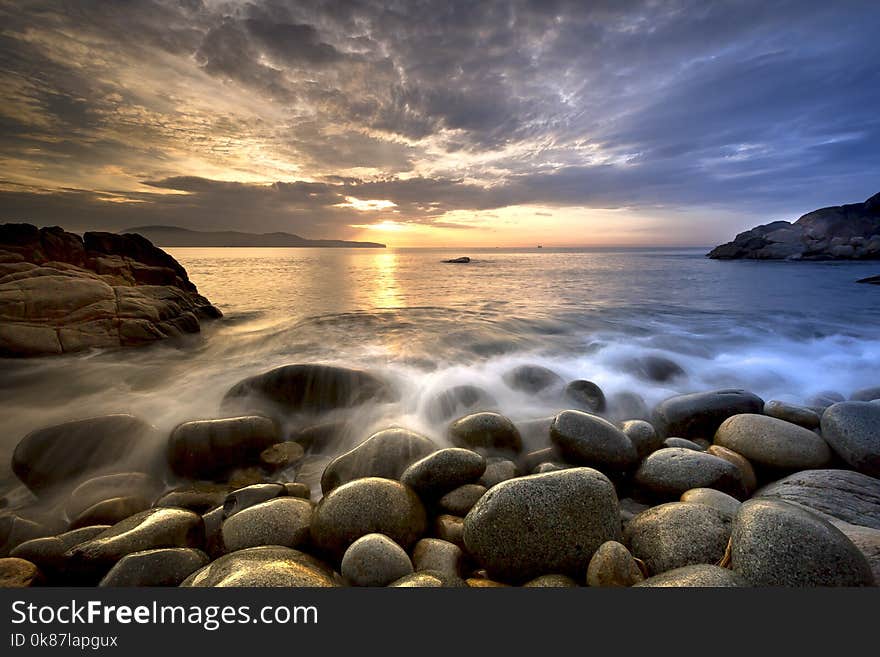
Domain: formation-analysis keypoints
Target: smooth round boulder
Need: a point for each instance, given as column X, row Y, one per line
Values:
column 15, row 529
column 698, row 415
column 497, row 470
column 265, row 566
column 551, row 522
column 450, row 528
column 457, row 400
column 794, row 413
column 281, row 521
column 489, row 431
column 698, row 575
column 866, row 394
column 533, row 379
column 590, row 440
column 774, row 543
column 200, row 497
column 853, row 431
column 749, row 478
column 249, row 496
column 18, row 573
column 163, row 567
column 438, row 555
column 371, row 505
column 551, row 581
column 683, row 443
column 48, row 553
column 419, row 580
column 109, row 512
column 442, row 471
column 643, row 436
column 105, row 487
column 586, row 396
column 298, row 489
column 375, row 560
column 613, row 566
column 385, row 454
column 671, row 471
column 461, row 500
column 721, row 502
column 773, row 443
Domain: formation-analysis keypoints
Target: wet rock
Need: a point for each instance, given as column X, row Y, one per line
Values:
column 507, row 536
column 825, row 399
column 462, row 499
column 498, row 470
column 298, row 489
column 162, row 567
column 251, row 495
column 698, row 415
column 613, row 565
column 105, row 487
column 866, row 394
column 435, row 554
column 196, row 497
column 489, row 431
column 867, row 540
column 800, row 415
column 483, row 583
column 213, row 520
column 779, row 544
column 18, row 573
column 281, row 455
column 643, row 436
column 458, row 400
column 442, row 471
column 773, row 443
column 308, row 388
column 698, row 575
column 551, row 581
column 629, row 509
column 385, row 454
column 206, row 449
column 422, row 579
column 684, row 443
column 67, row 452
column 678, row 534
column 721, row 502
column 628, row 406
column 282, row 521
column 586, row 439
column 15, row 530
column 375, row 560
column 853, row 431
column 367, row 506
column 458, row 261
column 533, row 379
column 586, row 396
column 264, row 566
column 671, row 471
column 749, row 479
column 658, row 369
column 48, row 553
column 450, row 528
column 109, row 512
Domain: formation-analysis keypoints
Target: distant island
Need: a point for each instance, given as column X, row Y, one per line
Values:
column 176, row 236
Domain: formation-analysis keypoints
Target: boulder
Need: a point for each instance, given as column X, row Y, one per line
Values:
column 462, row 499
column 628, row 406
column 449, row 528
column 422, row 579
column 586, row 439
column 773, row 443
column 866, row 394
column 721, row 502
column 18, row 573
column 853, row 431
column 749, row 479
column 48, row 553
column 586, row 396
column 162, row 567
column 442, row 471
column 252, row 495
column 684, row 443
column 698, row 415
column 265, row 566
column 488, row 431
column 533, row 379
column 793, row 413
column 105, row 487
column 671, row 471
column 613, row 565
column 109, row 512
column 375, row 560
column 435, row 554
column 697, row 575
column 457, row 400
column 298, row 489
column 498, row 470
column 200, row 497
column 658, row 369
column 282, row 521
column 281, row 455
column 16, row 529
column 642, row 435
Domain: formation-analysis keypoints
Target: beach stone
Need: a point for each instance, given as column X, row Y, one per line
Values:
column 613, row 565
column 455, row 401
column 15, row 530
column 281, row 455
column 866, row 394
column 264, row 566
column 298, row 489
column 853, row 431
column 213, row 520
column 678, row 534
column 375, row 560
column 489, row 431
column 459, row 501
column 867, row 540
column 442, row 471
column 629, row 509
column 18, row 573
column 422, row 579
column 749, row 478
column 109, row 512
column 162, row 567
column 535, row 433
column 200, row 497
column 683, row 443
column 437, row 554
column 586, row 396
column 721, row 502
column 774, row 543
column 697, row 575
column 773, row 443
column 498, row 470
column 825, row 399
column 67, row 452
column 525, row 527
column 385, row 454
column 48, row 552
column 207, row 449
column 104, row 487
column 450, row 528
column 671, row 471
column 281, row 521
column 483, row 583
column 658, row 369
column 248, row 496
column 844, row 494
column 551, row 581
column 367, row 506
column 794, row 413
column 533, row 459
column 590, row 440
column 533, row 379
column 699, row 414
column 625, row 405
column 643, row 436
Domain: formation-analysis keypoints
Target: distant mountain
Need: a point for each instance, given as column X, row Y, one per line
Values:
column 176, row 236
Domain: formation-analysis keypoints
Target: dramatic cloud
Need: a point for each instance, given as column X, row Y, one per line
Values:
column 325, row 117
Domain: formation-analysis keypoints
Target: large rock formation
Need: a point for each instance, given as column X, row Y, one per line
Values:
column 843, row 232
column 61, row 293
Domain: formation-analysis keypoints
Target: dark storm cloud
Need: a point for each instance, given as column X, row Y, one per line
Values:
column 764, row 108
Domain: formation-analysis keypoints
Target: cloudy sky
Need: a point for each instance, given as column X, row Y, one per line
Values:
column 423, row 123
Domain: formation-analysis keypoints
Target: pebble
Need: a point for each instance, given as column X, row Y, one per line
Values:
column 162, row 567
column 590, row 440
column 612, row 565
column 281, row 521
column 487, row 431
column 773, row 443
column 442, row 471
column 264, row 566
column 459, row 501
column 375, row 560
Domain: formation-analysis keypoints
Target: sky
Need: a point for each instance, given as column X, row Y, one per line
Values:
column 420, row 123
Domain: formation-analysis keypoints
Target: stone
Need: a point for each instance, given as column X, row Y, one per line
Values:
column 248, row 496
column 450, row 528
column 586, row 396
column 459, row 501
column 612, row 565
column 385, row 454
column 749, row 479
column 643, row 436
column 18, row 573
column 853, row 431
column 206, row 449
column 109, row 512
column 867, row 540
column 844, row 494
column 366, row 506
column 683, row 443
column 866, row 394
column 455, row 401
column 281, row 455
column 585, row 439
column 626, row 405
column 630, row 508
column 298, row 489
column 422, row 579
column 483, row 583
column 489, row 431
column 15, row 530
column 825, row 399
column 458, row 261
column 435, row 554
column 721, row 502
column 307, row 388
column 67, row 452
column 195, row 497
column 774, row 543
column 375, row 560
column 323, row 437
column 264, row 566
column 48, row 553
column 162, row 567
column 671, row 471
column 658, row 369
column 497, row 470
column 104, row 487
column 793, row 413
column 281, row 521
column 532, row 460
column 533, row 379
column 678, row 534
column 551, row 581
column 527, row 526
column 697, row 575
column 773, row 443
column 698, row 415
column 442, row 471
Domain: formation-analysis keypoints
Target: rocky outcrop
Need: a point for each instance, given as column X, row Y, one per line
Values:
column 62, row 293
column 843, row 232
